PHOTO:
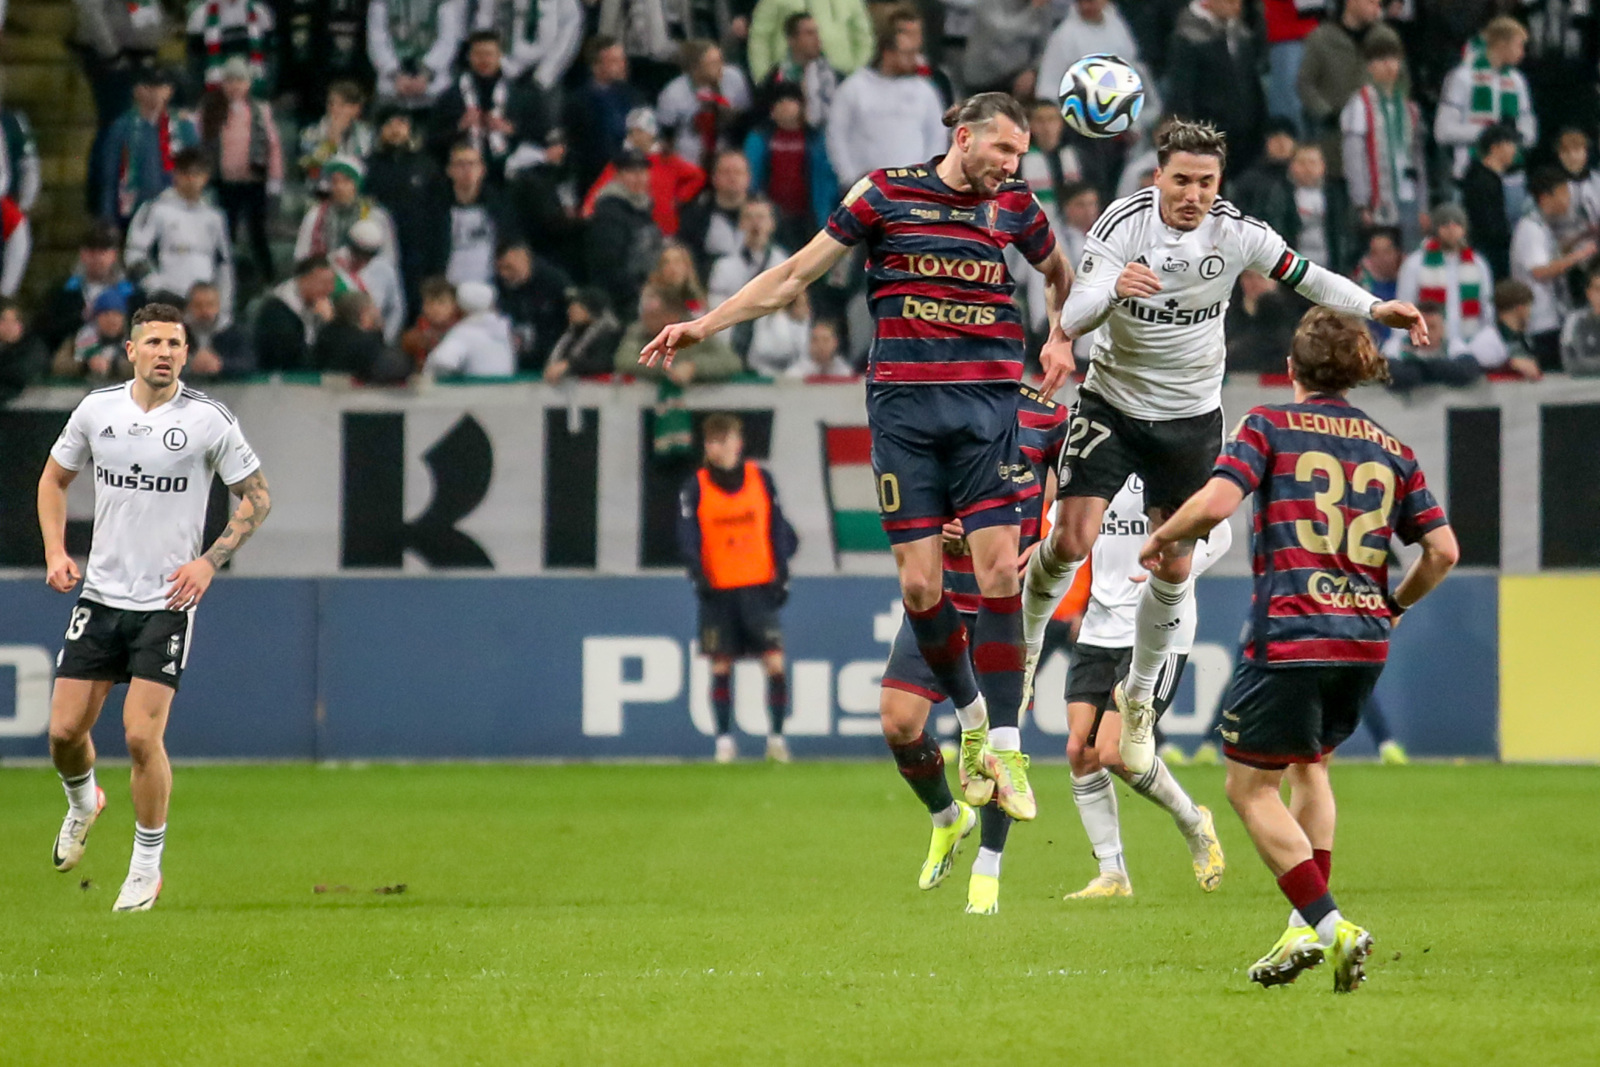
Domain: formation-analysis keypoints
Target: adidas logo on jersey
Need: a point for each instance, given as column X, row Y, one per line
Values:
column 108, row 432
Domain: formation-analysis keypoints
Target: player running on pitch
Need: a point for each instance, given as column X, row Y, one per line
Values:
column 155, row 444
column 910, row 689
column 1156, row 275
column 1330, row 488
column 942, row 399
column 1099, row 661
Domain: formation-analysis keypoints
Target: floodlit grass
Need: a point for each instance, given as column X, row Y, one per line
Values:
column 755, row 914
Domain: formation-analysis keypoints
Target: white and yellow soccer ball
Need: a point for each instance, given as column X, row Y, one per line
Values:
column 1101, row 96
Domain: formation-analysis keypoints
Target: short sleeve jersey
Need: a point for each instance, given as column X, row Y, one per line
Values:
column 937, row 281
column 1162, row 357
column 152, row 479
column 1041, row 430
column 1330, row 488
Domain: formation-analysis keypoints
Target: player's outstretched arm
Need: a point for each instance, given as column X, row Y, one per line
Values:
column 1056, row 355
column 1219, row 498
column 1439, row 554
column 771, row 290
column 190, row 581
column 61, row 572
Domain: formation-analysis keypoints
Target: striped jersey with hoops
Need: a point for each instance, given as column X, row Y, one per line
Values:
column 1330, row 488
column 937, row 280
column 1041, row 430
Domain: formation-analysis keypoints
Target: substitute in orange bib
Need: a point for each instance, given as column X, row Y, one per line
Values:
column 737, row 545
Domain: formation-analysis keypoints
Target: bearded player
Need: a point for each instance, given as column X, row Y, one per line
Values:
column 1154, row 282
column 1330, row 487
column 946, row 360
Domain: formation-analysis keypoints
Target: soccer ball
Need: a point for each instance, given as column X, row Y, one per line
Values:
column 1101, row 96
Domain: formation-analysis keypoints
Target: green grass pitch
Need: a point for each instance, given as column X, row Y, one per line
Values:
column 753, row 914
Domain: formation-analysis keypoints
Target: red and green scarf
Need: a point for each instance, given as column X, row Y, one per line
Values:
column 211, row 36
column 1434, row 280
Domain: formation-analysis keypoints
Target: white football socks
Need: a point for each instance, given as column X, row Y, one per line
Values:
column 1158, row 785
column 80, row 794
column 1096, row 798
column 1006, row 738
column 147, row 845
column 1155, row 621
column 1047, row 581
column 947, row 817
column 1326, row 927
column 973, row 715
column 988, row 862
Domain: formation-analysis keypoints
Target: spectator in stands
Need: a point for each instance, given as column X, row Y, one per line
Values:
column 361, row 264
column 340, row 132
column 789, row 166
column 398, row 170
column 16, row 246
column 1506, row 346
column 1572, row 152
column 1379, row 271
column 544, row 199
column 439, row 313
column 478, row 346
column 532, row 294
column 757, row 224
column 677, row 279
column 905, row 20
column 292, row 314
column 1082, row 209
column 114, row 39
column 95, row 351
column 1483, row 196
column 1050, row 165
column 324, row 42
column 412, row 45
column 216, row 349
column 179, row 239
column 221, row 32
column 780, row 342
column 19, row 160
column 1540, row 263
column 1090, row 27
column 352, row 342
column 711, row 221
column 1385, row 164
column 822, row 354
column 803, row 64
column 588, row 346
column 1580, row 334
column 1333, row 68
column 544, row 35
column 1449, row 273
column 1007, row 38
column 652, row 33
column 466, row 220
column 1439, row 362
column 1265, row 190
column 136, row 153
column 840, row 32
column 240, row 138
column 1212, row 65
column 23, row 356
column 623, row 240
column 885, row 115
column 674, row 181
column 485, row 107
column 326, row 225
column 709, row 361
column 1259, row 325
column 1288, row 23
column 1323, row 219
column 99, row 268
column 701, row 110
column 1487, row 88
column 597, row 115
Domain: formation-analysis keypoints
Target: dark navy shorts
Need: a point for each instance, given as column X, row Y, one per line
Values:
column 947, row 451
column 1275, row 716
column 908, row 671
column 739, row 623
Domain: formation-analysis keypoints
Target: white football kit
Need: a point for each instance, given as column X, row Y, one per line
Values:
column 152, row 479
column 1161, row 358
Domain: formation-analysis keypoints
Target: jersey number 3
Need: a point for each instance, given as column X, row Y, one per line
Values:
column 1328, row 500
column 78, row 623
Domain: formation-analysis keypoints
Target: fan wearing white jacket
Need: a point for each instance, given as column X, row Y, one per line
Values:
column 479, row 346
column 1093, row 27
column 885, row 115
column 180, row 239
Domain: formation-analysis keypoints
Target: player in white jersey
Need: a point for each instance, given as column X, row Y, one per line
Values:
column 154, row 444
column 1153, row 285
column 1100, row 660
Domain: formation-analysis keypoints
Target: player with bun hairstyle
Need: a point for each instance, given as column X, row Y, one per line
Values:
column 1330, row 488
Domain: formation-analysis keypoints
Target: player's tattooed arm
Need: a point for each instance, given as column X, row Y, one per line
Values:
column 255, row 503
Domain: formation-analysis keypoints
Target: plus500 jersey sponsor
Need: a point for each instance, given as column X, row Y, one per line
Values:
column 142, row 482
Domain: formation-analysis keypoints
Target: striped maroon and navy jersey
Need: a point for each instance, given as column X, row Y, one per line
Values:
column 1331, row 487
column 937, row 280
column 1041, row 429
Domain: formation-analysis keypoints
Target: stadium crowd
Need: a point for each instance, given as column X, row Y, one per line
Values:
column 486, row 188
